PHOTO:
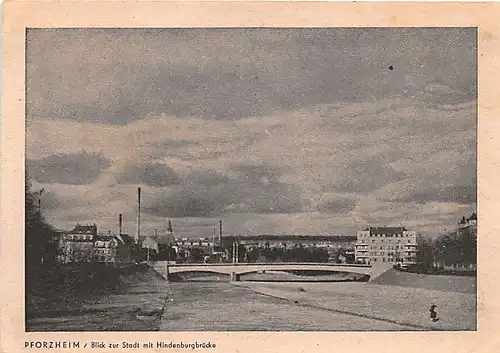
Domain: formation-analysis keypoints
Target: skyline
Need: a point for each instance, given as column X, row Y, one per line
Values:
column 286, row 131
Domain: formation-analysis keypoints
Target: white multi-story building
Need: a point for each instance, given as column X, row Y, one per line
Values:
column 395, row 245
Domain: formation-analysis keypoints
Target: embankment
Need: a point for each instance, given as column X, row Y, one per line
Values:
column 397, row 304
column 94, row 297
column 458, row 284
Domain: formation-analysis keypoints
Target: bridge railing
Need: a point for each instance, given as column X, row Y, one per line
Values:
column 266, row 264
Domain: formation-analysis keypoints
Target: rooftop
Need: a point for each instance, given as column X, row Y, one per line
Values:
column 88, row 229
column 387, row 230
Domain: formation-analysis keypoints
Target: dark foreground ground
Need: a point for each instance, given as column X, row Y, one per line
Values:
column 142, row 301
column 94, row 298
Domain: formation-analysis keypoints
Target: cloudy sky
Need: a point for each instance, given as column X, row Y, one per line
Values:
column 304, row 131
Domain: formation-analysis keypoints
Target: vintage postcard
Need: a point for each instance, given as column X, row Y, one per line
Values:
column 244, row 177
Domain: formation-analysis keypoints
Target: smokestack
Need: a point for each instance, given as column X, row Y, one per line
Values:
column 220, row 233
column 120, row 222
column 138, row 215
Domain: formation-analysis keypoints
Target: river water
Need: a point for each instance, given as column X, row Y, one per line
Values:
column 212, row 306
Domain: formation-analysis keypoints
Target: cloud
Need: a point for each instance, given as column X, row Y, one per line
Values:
column 205, row 177
column 365, row 176
column 269, row 129
column 317, row 162
column 461, row 194
column 464, row 195
column 338, row 205
column 207, row 194
column 121, row 75
column 155, row 174
column 73, row 168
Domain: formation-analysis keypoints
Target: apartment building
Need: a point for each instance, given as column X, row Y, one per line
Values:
column 396, row 245
column 77, row 245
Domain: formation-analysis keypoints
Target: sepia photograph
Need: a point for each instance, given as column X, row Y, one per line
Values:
column 251, row 179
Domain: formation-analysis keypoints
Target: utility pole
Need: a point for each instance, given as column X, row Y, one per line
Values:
column 120, row 221
column 235, row 252
column 138, row 215
column 220, row 233
column 213, row 242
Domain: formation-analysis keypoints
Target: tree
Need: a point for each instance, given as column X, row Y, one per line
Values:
column 457, row 248
column 425, row 253
column 253, row 255
column 196, row 255
column 40, row 242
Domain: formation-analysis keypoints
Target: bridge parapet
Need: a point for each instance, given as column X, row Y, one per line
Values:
column 235, row 270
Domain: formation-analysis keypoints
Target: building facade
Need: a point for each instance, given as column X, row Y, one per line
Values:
column 468, row 224
column 105, row 249
column 395, row 245
column 77, row 245
column 290, row 241
column 84, row 244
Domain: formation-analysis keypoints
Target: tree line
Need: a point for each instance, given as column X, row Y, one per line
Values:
column 40, row 242
column 456, row 249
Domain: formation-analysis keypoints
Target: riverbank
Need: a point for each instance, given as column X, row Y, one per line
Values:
column 443, row 283
column 96, row 298
column 396, row 304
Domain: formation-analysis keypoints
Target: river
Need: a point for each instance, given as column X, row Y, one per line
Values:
column 212, row 306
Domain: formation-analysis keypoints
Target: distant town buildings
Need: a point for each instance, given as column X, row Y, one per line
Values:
column 105, row 249
column 77, row 245
column 395, row 245
column 468, row 223
column 84, row 244
column 290, row 241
